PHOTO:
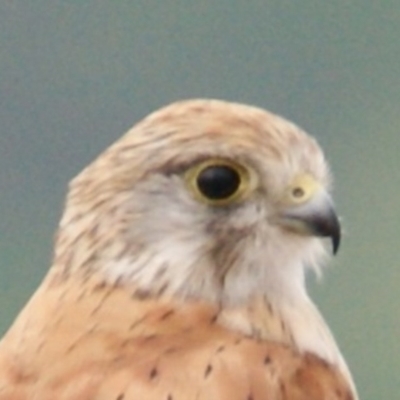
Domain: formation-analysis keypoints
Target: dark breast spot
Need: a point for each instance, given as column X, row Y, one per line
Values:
column 153, row 373
column 167, row 314
column 208, row 370
column 220, row 349
column 267, row 359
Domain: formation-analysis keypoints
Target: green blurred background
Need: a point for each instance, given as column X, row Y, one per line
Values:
column 75, row 75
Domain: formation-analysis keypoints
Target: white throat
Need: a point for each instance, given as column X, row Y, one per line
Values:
column 285, row 313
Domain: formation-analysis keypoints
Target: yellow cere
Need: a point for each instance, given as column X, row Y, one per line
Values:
column 301, row 189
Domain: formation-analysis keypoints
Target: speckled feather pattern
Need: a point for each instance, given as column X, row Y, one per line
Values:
column 154, row 295
column 100, row 343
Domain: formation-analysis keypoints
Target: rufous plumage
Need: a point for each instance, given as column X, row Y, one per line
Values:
column 179, row 269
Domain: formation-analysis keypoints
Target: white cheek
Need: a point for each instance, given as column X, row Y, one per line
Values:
column 273, row 264
column 170, row 231
column 165, row 262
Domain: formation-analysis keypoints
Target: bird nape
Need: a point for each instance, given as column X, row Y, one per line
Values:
column 179, row 268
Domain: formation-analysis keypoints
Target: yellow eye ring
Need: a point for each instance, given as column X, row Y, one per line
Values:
column 219, row 181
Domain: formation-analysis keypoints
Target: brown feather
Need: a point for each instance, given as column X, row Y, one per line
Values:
column 154, row 295
column 86, row 340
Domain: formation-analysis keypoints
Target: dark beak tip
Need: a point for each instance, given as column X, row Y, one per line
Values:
column 335, row 232
column 335, row 244
column 328, row 226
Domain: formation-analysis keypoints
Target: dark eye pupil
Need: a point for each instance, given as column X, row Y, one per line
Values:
column 218, row 182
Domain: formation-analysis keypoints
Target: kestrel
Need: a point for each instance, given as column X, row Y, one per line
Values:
column 179, row 269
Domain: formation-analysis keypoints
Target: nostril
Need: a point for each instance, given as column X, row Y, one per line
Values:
column 298, row 192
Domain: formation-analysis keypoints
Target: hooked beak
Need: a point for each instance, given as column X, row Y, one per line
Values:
column 316, row 217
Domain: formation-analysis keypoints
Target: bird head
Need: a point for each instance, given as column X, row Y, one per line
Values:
column 202, row 199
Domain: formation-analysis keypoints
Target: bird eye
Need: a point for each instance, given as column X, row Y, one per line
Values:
column 218, row 181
